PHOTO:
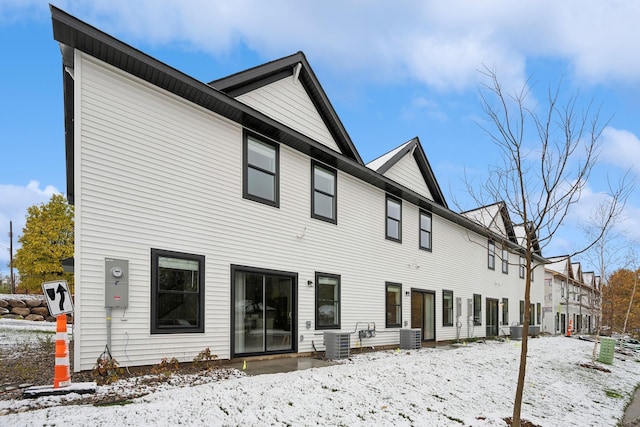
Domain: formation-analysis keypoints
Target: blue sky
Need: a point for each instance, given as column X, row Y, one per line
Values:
column 393, row 71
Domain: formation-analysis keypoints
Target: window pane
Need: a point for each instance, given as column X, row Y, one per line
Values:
column 477, row 309
column 393, row 209
column 177, row 309
column 425, row 238
column 178, row 264
column 393, row 228
column 177, row 280
column 328, row 303
column 505, row 311
column 261, row 155
column 261, row 184
column 447, row 308
column 324, row 181
column 425, row 222
column 394, row 305
column 393, row 315
column 322, row 205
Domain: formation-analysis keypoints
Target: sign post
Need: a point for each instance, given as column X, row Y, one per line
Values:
column 60, row 304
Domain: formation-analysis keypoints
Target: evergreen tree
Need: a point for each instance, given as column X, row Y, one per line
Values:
column 46, row 240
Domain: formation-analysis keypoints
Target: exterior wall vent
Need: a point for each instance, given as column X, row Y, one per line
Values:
column 337, row 344
column 410, row 339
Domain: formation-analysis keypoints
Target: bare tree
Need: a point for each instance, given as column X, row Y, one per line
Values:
column 547, row 154
column 607, row 250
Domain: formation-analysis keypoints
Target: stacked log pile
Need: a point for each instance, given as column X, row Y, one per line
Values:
column 30, row 307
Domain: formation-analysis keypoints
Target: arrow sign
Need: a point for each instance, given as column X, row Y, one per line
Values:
column 58, row 297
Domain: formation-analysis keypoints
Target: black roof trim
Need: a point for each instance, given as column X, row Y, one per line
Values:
column 253, row 78
column 420, row 157
column 75, row 34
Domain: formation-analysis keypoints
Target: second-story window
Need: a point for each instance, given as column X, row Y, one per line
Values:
column 521, row 267
column 261, row 171
column 491, row 253
column 505, row 261
column 425, row 230
column 324, row 197
column 394, row 219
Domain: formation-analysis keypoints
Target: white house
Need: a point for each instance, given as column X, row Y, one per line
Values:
column 572, row 297
column 238, row 215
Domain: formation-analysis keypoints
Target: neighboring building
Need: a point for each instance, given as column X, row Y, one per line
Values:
column 572, row 298
column 238, row 215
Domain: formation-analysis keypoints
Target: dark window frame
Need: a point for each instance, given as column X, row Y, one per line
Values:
column 477, row 310
column 338, row 313
column 522, row 267
column 429, row 246
column 447, row 309
column 387, row 218
column 156, row 328
column 505, row 311
column 505, row 260
column 398, row 323
column 521, row 312
column 246, row 166
column 491, row 255
column 317, row 165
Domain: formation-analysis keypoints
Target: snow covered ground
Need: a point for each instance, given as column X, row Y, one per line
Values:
column 473, row 385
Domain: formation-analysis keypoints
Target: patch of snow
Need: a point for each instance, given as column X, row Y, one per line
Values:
column 472, row 386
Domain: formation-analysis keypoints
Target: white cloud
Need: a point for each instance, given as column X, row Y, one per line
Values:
column 15, row 201
column 621, row 148
column 440, row 44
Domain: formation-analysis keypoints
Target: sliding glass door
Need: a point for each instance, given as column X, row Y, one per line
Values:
column 263, row 311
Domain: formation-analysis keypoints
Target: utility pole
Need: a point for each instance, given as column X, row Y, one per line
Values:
column 11, row 276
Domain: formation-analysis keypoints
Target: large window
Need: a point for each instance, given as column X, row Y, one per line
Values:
column 505, row 311
column 394, row 219
column 177, row 292
column 324, row 197
column 425, row 230
column 261, row 170
column 327, row 301
column 491, row 253
column 505, row 261
column 394, row 305
column 477, row 310
column 521, row 312
column 522, row 269
column 447, row 308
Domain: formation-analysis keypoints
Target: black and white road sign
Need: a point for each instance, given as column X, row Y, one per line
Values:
column 58, row 297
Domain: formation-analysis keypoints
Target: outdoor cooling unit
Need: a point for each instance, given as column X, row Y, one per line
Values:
column 410, row 339
column 336, row 344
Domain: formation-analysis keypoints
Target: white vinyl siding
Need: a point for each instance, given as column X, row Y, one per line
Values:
column 287, row 102
column 406, row 172
column 154, row 171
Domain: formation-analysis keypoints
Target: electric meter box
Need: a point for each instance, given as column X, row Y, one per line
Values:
column 116, row 280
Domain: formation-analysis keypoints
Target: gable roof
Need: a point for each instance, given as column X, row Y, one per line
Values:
column 521, row 236
column 496, row 218
column 414, row 148
column 559, row 264
column 246, row 81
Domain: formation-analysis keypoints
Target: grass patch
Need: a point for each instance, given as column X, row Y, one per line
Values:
column 114, row 403
column 613, row 394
